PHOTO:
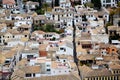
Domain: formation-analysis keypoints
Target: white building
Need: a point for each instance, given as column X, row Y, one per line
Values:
column 29, row 53
column 85, row 1
column 66, row 48
column 109, row 3
column 65, row 3
column 104, row 3
column 9, row 4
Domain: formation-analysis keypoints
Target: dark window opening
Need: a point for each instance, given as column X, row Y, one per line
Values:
column 29, row 56
column 28, row 75
column 33, row 74
column 25, row 35
column 48, row 69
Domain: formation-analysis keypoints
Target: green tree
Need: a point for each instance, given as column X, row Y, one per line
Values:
column 49, row 28
column 117, row 11
column 89, row 4
column 118, row 4
column 53, row 39
column 112, row 13
column 45, row 5
column 56, row 2
column 97, row 3
column 106, row 27
column 40, row 11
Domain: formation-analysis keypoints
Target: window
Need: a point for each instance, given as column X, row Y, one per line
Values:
column 119, row 23
column 63, row 49
column 5, row 43
column 25, row 35
column 108, row 1
column 113, row 49
column 7, row 61
column 33, row 74
column 76, row 16
column 29, row 56
column 48, row 65
column 48, row 69
column 53, row 16
column 28, row 75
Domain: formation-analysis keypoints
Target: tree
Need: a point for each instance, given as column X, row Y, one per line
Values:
column 118, row 4
column 45, row 5
column 56, row 2
column 40, row 11
column 97, row 3
column 49, row 28
column 117, row 11
column 89, row 4
column 106, row 26
column 112, row 13
column 52, row 4
column 53, row 39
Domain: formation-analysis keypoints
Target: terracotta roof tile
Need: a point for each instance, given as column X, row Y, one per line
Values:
column 10, row 2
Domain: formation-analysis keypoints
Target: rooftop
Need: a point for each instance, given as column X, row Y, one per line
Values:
column 10, row 2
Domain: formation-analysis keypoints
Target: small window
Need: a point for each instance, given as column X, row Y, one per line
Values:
column 29, row 56
column 53, row 16
column 48, row 69
column 33, row 74
column 76, row 16
column 28, row 75
column 25, row 35
column 113, row 49
column 5, row 43
column 61, row 48
column 7, row 61
column 48, row 65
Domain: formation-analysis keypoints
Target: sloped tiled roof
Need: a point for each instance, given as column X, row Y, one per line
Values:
column 89, row 72
column 58, row 77
column 10, row 2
